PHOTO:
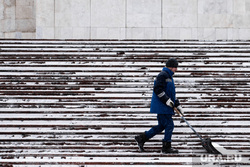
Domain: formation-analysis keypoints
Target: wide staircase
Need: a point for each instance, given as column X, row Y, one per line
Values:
column 81, row 102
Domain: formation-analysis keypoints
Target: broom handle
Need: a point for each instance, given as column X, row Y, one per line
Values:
column 182, row 117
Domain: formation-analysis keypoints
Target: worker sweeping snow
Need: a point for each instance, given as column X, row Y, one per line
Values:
column 162, row 103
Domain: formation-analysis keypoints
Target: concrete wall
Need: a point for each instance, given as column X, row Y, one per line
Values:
column 17, row 19
column 131, row 19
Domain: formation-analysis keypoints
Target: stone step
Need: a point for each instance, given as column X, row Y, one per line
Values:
column 81, row 102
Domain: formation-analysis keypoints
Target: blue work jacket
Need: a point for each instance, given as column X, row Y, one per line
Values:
column 164, row 88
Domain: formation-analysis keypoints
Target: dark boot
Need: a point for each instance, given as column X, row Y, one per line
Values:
column 166, row 148
column 141, row 139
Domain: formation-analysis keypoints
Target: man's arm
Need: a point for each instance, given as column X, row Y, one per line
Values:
column 159, row 89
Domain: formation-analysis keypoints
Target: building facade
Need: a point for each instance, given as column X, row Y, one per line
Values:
column 125, row 19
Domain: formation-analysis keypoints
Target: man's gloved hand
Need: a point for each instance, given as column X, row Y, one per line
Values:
column 180, row 109
column 170, row 103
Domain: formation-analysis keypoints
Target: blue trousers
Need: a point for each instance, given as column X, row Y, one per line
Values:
column 165, row 122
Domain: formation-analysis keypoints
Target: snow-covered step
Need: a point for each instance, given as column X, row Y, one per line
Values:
column 81, row 102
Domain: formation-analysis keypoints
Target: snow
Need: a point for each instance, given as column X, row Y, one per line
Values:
column 104, row 100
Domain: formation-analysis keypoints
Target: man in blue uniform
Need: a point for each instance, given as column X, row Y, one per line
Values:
column 162, row 103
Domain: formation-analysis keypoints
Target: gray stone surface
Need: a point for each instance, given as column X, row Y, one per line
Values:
column 126, row 19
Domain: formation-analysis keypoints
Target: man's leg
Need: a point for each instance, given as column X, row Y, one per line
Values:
column 142, row 138
column 156, row 129
column 169, row 127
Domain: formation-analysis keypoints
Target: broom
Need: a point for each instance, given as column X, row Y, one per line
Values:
column 206, row 142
